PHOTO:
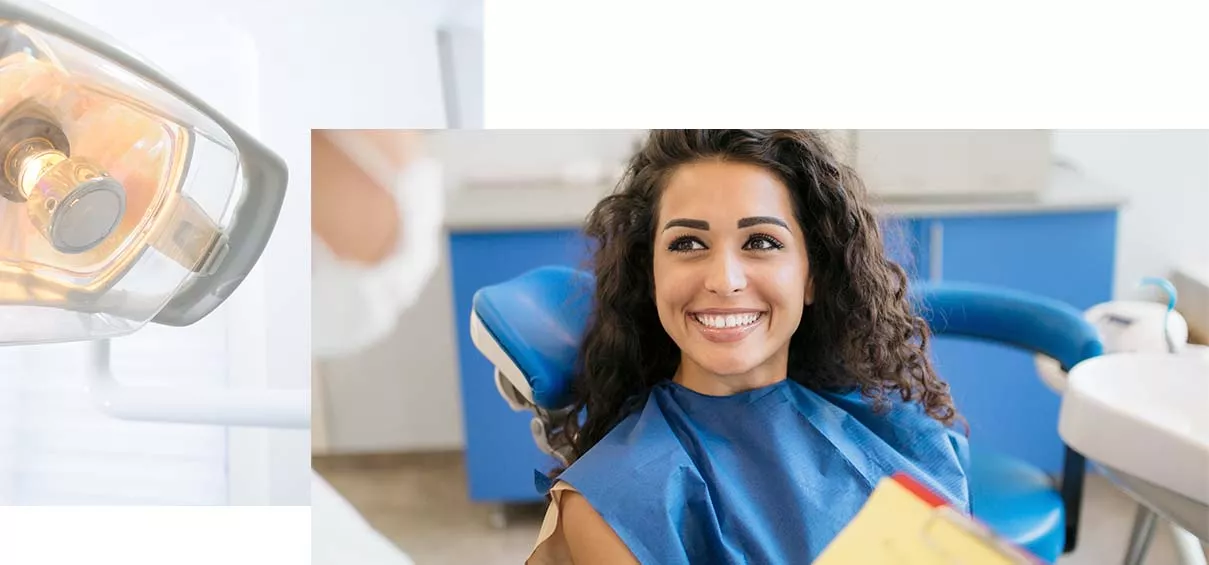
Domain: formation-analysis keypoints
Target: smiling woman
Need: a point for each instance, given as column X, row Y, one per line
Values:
column 730, row 297
column 752, row 366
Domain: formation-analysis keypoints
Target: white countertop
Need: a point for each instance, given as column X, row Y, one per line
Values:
column 561, row 206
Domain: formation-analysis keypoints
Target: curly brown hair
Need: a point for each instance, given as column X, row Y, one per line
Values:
column 860, row 332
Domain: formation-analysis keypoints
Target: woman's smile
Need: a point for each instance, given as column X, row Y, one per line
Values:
column 727, row 325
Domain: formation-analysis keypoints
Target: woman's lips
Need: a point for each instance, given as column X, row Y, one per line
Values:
column 726, row 335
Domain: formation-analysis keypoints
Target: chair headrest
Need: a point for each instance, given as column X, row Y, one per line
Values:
column 539, row 319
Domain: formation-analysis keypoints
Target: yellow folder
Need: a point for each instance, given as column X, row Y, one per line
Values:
column 903, row 523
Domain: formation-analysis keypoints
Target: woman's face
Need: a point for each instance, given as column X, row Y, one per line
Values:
column 731, row 274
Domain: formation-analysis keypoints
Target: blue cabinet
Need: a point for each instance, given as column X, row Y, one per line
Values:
column 903, row 245
column 1067, row 256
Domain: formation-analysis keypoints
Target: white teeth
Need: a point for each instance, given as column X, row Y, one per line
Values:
column 731, row 321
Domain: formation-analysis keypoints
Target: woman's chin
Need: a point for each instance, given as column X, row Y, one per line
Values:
column 728, row 367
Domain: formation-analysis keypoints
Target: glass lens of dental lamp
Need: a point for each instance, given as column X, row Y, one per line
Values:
column 114, row 192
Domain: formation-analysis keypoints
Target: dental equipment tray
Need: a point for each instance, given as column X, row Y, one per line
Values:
column 1145, row 415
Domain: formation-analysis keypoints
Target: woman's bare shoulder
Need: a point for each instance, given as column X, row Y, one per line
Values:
column 589, row 538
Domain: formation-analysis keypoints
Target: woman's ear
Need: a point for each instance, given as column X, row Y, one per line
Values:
column 809, row 294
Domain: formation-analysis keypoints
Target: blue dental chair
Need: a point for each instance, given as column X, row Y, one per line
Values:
column 530, row 329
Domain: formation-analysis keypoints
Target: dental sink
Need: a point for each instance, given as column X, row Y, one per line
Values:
column 1145, row 417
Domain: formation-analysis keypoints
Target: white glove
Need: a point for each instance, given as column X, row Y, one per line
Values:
column 354, row 306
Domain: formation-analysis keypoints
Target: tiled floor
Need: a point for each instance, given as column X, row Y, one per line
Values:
column 420, row 503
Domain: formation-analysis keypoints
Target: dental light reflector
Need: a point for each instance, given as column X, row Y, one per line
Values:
column 123, row 198
column 73, row 203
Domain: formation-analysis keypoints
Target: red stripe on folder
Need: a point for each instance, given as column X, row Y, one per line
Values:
column 924, row 493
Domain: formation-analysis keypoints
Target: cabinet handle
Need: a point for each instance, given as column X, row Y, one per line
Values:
column 936, row 246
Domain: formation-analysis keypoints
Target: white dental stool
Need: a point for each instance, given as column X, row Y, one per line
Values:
column 1141, row 414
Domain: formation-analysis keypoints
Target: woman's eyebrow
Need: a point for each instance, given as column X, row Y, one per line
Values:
column 743, row 223
column 755, row 220
column 687, row 223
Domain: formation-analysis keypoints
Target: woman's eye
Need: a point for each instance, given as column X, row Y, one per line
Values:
column 761, row 242
column 685, row 244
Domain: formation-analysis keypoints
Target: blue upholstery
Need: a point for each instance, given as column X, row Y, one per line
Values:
column 1018, row 502
column 539, row 319
column 1030, row 322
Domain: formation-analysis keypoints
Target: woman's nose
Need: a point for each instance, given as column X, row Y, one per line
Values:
column 726, row 274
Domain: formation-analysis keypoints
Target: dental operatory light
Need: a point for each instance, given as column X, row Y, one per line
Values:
column 123, row 198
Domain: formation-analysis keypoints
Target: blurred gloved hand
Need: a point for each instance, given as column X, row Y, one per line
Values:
column 377, row 206
column 353, row 208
